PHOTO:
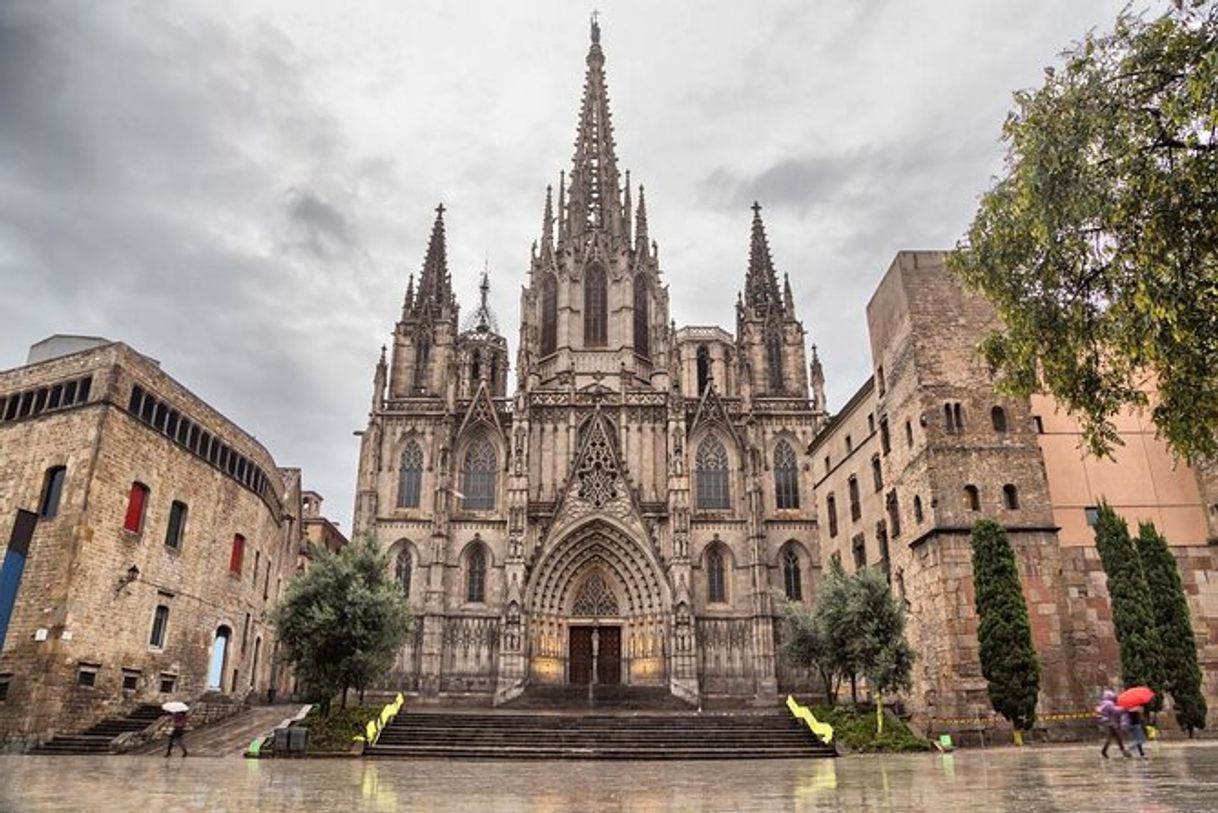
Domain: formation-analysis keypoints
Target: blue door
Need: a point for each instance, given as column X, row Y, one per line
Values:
column 219, row 654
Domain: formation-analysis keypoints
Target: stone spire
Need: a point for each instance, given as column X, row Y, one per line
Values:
column 408, row 303
column 435, row 290
column 378, row 381
column 593, row 197
column 818, row 382
column 482, row 319
column 788, row 299
column 547, row 224
column 761, row 283
column 640, row 224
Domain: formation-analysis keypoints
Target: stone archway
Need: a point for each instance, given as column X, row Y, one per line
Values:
column 598, row 578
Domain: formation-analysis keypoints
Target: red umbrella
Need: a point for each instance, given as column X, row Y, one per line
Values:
column 1137, row 696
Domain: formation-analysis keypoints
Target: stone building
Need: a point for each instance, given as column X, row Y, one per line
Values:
column 926, row 447
column 319, row 531
column 627, row 514
column 147, row 537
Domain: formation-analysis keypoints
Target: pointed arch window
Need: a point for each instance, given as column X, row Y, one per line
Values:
column 642, row 317
column 478, row 476
column 792, row 582
column 52, row 489
column 403, row 567
column 410, row 476
column 786, row 476
column 475, row 369
column 711, row 475
column 422, row 353
column 475, row 576
column 704, row 368
column 549, row 315
column 773, row 351
column 596, row 307
column 716, row 588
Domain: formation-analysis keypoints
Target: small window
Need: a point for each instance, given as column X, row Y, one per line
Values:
column 257, row 564
column 856, row 509
column 86, row 674
column 475, row 584
column 703, row 368
column 879, row 379
column 828, row 465
column 885, row 439
column 1038, row 424
column 849, row 444
column 1010, row 497
column 893, row 504
column 137, row 502
column 160, row 620
column 177, row 525
column 998, row 416
column 169, row 683
column 1092, row 513
column 5, row 682
column 52, row 489
column 831, row 513
column 859, row 549
column 909, row 434
column 877, row 473
column 403, row 567
column 953, row 416
column 715, row 589
column 870, row 424
column 791, row 580
column 972, row 498
column 237, row 554
column 917, row 508
column 131, row 680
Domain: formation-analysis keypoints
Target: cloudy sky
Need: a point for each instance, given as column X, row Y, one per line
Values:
column 240, row 188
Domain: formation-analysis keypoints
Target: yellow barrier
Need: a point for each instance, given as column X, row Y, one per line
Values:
column 996, row 720
column 824, row 731
column 373, row 728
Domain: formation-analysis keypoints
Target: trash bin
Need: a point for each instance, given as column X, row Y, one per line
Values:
column 280, row 741
column 298, row 739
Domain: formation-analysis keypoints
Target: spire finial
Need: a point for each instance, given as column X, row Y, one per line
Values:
column 756, row 209
column 596, row 26
column 440, row 209
column 761, row 283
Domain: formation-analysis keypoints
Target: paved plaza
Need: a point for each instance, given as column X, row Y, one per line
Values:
column 1178, row 777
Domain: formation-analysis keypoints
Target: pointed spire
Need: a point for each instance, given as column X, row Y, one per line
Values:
column 483, row 319
column 435, row 284
column 760, row 283
column 408, row 303
column 594, row 191
column 640, row 224
column 562, row 206
column 626, row 209
column 818, row 382
column 378, row 381
column 788, row 300
column 547, row 223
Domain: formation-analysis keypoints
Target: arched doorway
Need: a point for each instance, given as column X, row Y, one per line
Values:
column 219, row 658
column 599, row 611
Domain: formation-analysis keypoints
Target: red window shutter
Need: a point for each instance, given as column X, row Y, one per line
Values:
column 234, row 561
column 135, row 508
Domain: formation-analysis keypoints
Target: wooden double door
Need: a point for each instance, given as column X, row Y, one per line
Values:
column 608, row 655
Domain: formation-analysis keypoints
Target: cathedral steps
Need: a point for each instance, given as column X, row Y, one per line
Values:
column 97, row 739
column 600, row 698
column 569, row 735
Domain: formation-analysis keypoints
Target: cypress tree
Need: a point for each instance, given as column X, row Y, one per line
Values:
column 1133, row 614
column 1181, row 673
column 1008, row 657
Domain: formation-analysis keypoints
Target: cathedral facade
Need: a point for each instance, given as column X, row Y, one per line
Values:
column 632, row 510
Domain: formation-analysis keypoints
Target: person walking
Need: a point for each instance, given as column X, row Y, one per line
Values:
column 1110, row 716
column 178, row 734
column 1137, row 730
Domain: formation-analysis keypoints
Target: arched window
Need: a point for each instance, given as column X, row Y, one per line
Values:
column 410, row 476
column 403, row 566
column 52, row 489
column 478, row 476
column 786, row 476
column 704, row 368
column 711, row 475
column 831, row 511
column 792, row 583
column 715, row 587
column 422, row 352
column 137, row 502
column 549, row 315
column 918, row 510
column 475, row 575
column 856, row 509
column 219, row 658
column 773, row 350
column 998, row 416
column 642, row 317
column 475, row 369
column 596, row 307
column 1010, row 497
column 972, row 498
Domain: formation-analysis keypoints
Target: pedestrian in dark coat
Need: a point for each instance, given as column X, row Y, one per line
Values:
column 178, row 734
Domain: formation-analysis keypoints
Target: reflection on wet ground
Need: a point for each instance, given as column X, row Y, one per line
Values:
column 1177, row 777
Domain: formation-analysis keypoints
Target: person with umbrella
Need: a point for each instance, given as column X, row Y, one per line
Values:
column 178, row 734
column 1110, row 714
column 1133, row 700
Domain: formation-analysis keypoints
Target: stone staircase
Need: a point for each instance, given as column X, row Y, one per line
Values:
column 601, row 698
column 651, row 735
column 97, row 739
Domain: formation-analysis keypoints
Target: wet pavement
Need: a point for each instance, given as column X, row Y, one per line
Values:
column 1177, row 777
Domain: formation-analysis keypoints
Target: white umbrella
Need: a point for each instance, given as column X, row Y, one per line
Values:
column 175, row 706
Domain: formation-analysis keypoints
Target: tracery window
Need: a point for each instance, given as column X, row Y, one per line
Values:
column 422, row 352
column 642, row 317
column 773, row 348
column 791, row 581
column 786, row 476
column 479, row 476
column 596, row 307
column 549, row 315
column 715, row 583
column 410, row 476
column 594, row 598
column 475, row 580
column 711, row 475
column 402, row 569
column 704, row 368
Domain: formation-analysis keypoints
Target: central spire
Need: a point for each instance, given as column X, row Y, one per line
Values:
column 594, row 197
column 761, row 283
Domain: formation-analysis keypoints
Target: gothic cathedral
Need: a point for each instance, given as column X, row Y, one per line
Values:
column 633, row 512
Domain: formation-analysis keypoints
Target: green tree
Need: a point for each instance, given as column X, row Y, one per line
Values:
column 835, row 623
column 879, row 646
column 804, row 646
column 1004, row 633
column 1181, row 673
column 1099, row 246
column 342, row 621
column 1133, row 614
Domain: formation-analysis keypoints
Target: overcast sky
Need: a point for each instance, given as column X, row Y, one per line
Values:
column 239, row 188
